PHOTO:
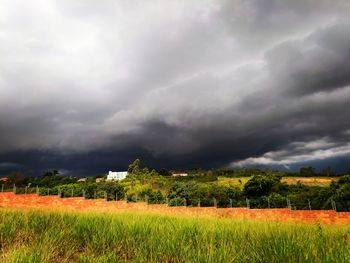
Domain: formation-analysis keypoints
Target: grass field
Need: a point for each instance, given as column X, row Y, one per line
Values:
column 47, row 236
column 309, row 181
column 233, row 181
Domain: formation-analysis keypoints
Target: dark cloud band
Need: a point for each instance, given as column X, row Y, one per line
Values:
column 210, row 84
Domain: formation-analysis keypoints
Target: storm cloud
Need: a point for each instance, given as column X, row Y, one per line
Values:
column 88, row 86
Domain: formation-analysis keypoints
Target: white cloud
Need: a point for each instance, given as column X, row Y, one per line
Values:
column 298, row 152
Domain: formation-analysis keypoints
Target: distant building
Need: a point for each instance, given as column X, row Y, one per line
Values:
column 116, row 176
column 179, row 174
column 99, row 180
column 4, row 179
column 81, row 180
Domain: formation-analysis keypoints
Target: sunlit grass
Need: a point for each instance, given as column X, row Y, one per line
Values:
column 309, row 181
column 40, row 236
column 233, row 181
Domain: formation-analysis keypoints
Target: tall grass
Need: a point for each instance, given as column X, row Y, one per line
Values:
column 39, row 236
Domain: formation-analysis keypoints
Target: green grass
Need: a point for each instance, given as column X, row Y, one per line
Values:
column 309, row 181
column 233, row 181
column 38, row 236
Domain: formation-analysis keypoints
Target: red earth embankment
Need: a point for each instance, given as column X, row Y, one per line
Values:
column 8, row 199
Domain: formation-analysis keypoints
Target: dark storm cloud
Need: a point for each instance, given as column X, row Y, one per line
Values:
column 320, row 62
column 88, row 87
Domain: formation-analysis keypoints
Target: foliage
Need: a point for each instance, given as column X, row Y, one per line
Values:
column 307, row 171
column 262, row 185
column 220, row 187
column 341, row 193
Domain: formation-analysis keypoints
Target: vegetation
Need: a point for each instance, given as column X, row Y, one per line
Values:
column 222, row 188
column 39, row 236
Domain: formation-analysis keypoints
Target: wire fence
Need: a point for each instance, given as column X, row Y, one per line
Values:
column 249, row 203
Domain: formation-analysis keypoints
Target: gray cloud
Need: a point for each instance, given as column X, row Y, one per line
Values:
column 299, row 152
column 179, row 83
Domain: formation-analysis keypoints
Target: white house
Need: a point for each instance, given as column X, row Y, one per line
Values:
column 116, row 175
column 82, row 180
column 179, row 174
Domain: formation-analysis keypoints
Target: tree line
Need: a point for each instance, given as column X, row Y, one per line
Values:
column 264, row 189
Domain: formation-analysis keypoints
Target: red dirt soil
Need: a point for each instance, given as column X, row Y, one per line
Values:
column 8, row 199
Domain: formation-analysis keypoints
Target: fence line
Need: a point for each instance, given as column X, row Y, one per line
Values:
column 250, row 203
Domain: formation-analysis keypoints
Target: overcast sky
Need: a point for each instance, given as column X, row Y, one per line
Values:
column 87, row 86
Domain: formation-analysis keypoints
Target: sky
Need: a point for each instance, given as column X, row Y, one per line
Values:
column 88, row 86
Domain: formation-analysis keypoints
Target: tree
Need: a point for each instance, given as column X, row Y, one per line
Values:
column 307, row 171
column 164, row 172
column 135, row 167
column 327, row 172
column 135, row 172
column 275, row 200
column 112, row 190
column 261, row 185
column 52, row 173
column 341, row 193
column 16, row 178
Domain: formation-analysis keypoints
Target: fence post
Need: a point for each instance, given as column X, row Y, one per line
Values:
column 309, row 203
column 268, row 202
column 106, row 197
column 59, row 193
column 116, row 196
column 167, row 201
column 288, row 204
column 334, row 207
column 126, row 198
column 2, row 188
column 185, row 202
column 72, row 193
column 48, row 191
column 25, row 190
column 83, row 193
column 146, row 199
column 14, row 188
column 248, row 203
column 199, row 203
column 231, row 202
column 37, row 190
column 94, row 194
column 215, row 203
